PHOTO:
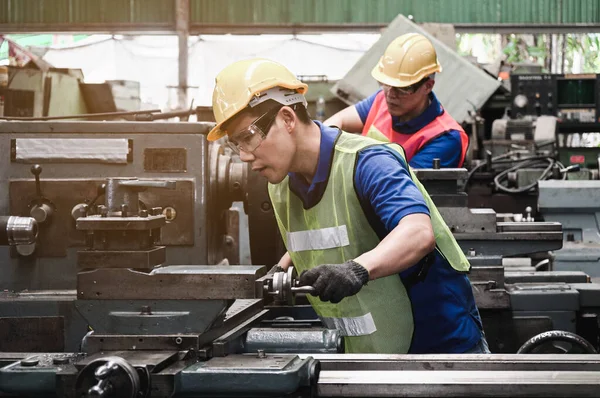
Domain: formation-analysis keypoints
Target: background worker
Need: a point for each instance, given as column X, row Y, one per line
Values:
column 405, row 110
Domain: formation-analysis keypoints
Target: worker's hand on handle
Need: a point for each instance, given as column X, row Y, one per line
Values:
column 333, row 282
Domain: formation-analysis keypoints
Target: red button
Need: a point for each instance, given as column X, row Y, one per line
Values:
column 577, row 159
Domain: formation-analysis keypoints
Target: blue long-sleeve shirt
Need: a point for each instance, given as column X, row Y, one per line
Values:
column 444, row 311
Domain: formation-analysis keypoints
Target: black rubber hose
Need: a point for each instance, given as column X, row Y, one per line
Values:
column 556, row 335
column 529, row 163
column 500, row 159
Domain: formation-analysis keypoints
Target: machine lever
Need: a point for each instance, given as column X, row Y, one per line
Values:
column 36, row 170
column 41, row 209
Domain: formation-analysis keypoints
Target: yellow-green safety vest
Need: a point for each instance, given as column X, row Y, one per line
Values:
column 379, row 318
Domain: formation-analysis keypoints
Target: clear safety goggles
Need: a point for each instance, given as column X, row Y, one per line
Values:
column 250, row 138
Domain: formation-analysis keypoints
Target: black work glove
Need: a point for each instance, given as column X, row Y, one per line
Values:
column 275, row 268
column 333, row 282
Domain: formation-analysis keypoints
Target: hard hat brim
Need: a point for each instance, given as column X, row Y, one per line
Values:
column 405, row 82
column 216, row 133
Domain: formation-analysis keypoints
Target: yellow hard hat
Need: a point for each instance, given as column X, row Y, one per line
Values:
column 407, row 60
column 242, row 81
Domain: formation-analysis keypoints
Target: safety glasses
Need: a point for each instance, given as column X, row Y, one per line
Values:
column 250, row 138
column 409, row 90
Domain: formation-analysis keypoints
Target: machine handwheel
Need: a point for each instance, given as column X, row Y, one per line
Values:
column 547, row 343
column 112, row 377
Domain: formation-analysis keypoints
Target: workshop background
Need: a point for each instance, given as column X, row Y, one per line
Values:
column 134, row 252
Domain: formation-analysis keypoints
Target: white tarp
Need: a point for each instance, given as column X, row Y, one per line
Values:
column 152, row 60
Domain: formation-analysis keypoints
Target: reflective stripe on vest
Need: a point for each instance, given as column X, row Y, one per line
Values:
column 356, row 326
column 384, row 300
column 379, row 126
column 318, row 239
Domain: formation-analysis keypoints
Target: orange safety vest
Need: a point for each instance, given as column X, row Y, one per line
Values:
column 379, row 122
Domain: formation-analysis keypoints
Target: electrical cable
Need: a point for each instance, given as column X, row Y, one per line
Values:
column 500, row 160
column 533, row 161
column 550, row 163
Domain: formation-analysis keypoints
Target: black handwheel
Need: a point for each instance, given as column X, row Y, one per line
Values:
column 112, row 376
column 545, row 343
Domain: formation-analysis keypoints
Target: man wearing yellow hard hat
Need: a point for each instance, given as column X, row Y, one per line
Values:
column 356, row 223
column 405, row 110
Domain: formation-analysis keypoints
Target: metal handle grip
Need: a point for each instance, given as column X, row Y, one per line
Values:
column 303, row 289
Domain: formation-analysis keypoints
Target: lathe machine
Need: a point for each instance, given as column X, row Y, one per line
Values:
column 176, row 331
column 103, row 295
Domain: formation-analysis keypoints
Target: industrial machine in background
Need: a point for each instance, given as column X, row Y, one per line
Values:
column 516, row 288
column 574, row 101
column 30, row 92
column 35, row 92
column 506, row 171
column 570, row 97
column 576, row 205
column 544, row 157
column 551, row 124
column 32, row 88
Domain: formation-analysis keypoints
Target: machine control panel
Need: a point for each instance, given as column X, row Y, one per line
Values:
column 570, row 97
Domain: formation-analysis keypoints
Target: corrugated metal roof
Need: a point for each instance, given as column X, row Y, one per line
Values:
column 86, row 11
column 149, row 11
column 383, row 11
column 256, row 16
column 460, row 87
column 91, row 11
